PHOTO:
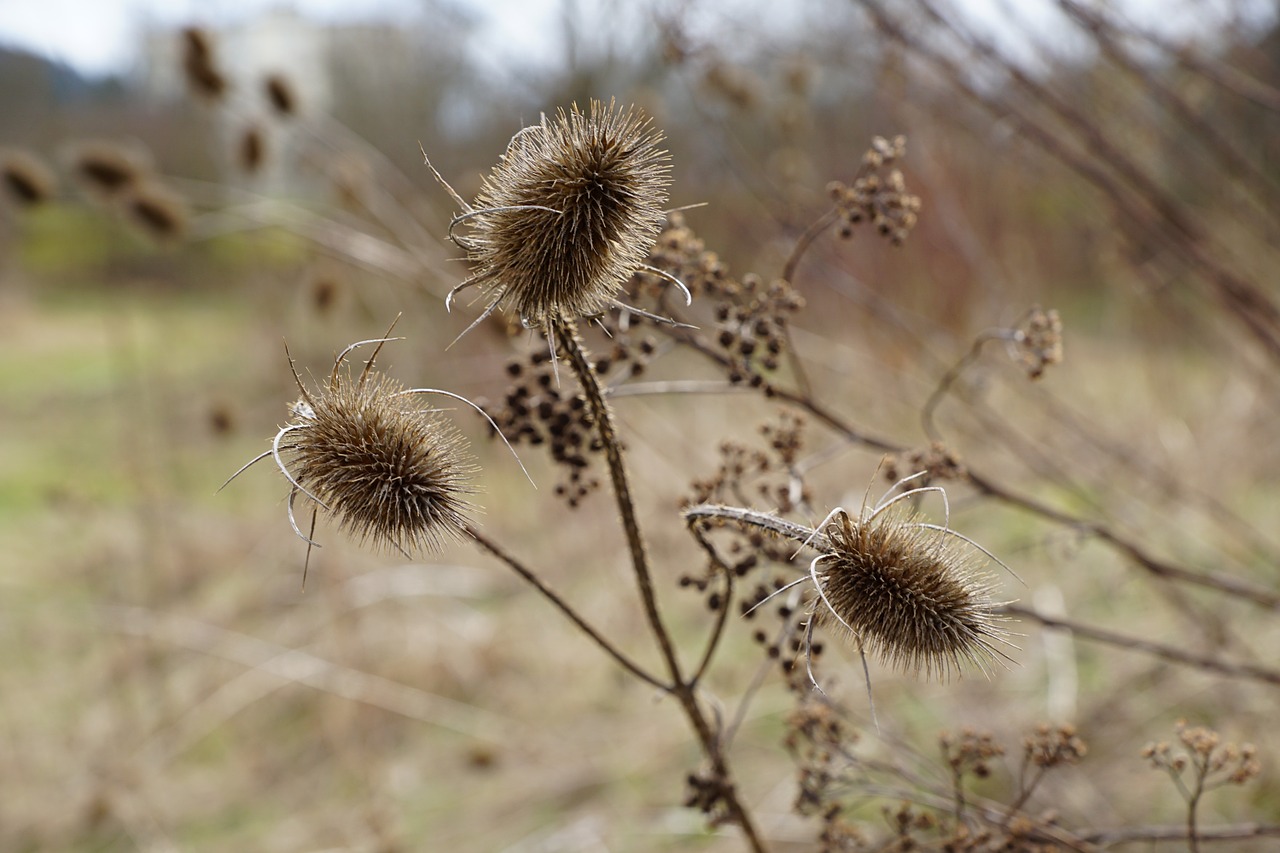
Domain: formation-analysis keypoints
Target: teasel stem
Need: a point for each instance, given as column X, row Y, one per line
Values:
column 763, row 520
column 569, row 343
column 563, row 606
column 726, row 597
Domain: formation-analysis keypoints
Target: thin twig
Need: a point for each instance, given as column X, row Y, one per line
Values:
column 726, row 599
column 564, row 607
column 1231, row 669
column 949, row 378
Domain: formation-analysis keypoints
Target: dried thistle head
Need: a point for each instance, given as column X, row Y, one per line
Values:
column 27, row 180
column 280, row 94
column 252, row 150
column 568, row 214
column 106, row 169
column 199, row 66
column 908, row 590
column 385, row 468
column 1036, row 343
column 157, row 210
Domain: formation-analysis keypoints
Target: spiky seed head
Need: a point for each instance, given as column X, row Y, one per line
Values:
column 388, row 469
column 27, row 179
column 911, row 593
column 570, row 211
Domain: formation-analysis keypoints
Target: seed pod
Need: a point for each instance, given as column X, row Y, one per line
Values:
column 909, row 591
column 387, row 469
column 569, row 213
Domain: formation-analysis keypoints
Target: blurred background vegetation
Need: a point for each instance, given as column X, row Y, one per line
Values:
column 165, row 685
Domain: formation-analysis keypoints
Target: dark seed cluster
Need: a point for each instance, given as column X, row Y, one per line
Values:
column 536, row 411
column 937, row 461
column 708, row 793
column 878, row 194
column 818, row 739
column 746, row 476
column 751, row 315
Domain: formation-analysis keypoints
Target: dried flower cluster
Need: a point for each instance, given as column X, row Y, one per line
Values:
column 1212, row 762
column 569, row 213
column 879, row 193
column 386, row 469
column 1037, row 341
column 157, row 210
column 937, row 461
column 1051, row 746
column 751, row 315
column 766, row 474
column 969, row 753
column 252, row 150
column 122, row 178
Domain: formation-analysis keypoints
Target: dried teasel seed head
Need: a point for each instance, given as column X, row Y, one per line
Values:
column 106, row 169
column 200, row 67
column 280, row 94
column 157, row 210
column 570, row 212
column 27, row 180
column 910, row 592
column 253, row 149
column 387, row 469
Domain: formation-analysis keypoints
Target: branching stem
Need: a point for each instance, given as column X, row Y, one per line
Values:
column 570, row 345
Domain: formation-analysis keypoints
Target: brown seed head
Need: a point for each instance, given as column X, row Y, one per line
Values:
column 570, row 212
column 105, row 169
column 199, row 66
column 252, row 149
column 157, row 210
column 27, row 179
column 280, row 95
column 386, row 468
column 910, row 592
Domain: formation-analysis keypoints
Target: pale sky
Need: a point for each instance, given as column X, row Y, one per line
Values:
column 99, row 36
